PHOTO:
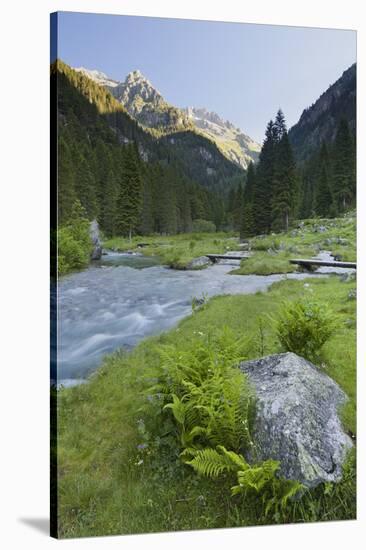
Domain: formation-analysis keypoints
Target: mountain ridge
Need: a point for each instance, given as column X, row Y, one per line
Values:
column 319, row 122
column 148, row 106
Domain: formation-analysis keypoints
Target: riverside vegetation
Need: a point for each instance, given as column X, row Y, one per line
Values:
column 135, row 442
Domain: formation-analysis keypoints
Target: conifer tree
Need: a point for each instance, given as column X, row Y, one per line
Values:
column 247, row 219
column 66, row 195
column 237, row 210
column 323, row 195
column 85, row 184
column 168, row 205
column 109, row 205
column 344, row 181
column 130, row 194
column 262, row 196
column 284, row 188
column 279, row 126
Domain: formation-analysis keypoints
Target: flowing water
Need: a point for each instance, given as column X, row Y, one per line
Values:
column 118, row 301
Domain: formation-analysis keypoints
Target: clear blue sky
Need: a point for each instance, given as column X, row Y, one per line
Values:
column 244, row 72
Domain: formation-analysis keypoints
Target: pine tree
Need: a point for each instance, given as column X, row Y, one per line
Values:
column 262, row 196
column 66, row 195
column 344, row 180
column 109, row 205
column 146, row 224
column 279, row 126
column 285, row 185
column 85, row 184
column 168, row 205
column 130, row 194
column 323, row 195
column 247, row 219
column 237, row 211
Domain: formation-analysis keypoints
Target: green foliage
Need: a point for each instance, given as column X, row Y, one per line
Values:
column 344, row 168
column 304, row 326
column 259, row 479
column 203, row 226
column 263, row 263
column 73, row 242
column 209, row 397
column 199, row 303
column 328, row 180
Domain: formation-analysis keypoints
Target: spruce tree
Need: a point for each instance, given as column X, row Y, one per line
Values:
column 279, row 126
column 237, row 210
column 247, row 219
column 130, row 194
column 323, row 195
column 285, row 185
column 262, row 196
column 344, row 181
column 66, row 195
column 168, row 222
column 85, row 184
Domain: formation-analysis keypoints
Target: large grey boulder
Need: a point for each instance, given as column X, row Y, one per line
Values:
column 296, row 419
column 94, row 232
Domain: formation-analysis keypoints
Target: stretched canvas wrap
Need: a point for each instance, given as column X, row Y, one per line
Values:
column 203, row 281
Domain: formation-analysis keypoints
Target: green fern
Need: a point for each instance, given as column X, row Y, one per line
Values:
column 213, row 462
column 256, row 477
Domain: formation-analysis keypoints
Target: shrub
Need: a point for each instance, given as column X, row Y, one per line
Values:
column 73, row 242
column 303, row 327
column 203, row 226
column 71, row 254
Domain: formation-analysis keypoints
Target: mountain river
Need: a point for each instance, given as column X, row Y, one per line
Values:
column 123, row 298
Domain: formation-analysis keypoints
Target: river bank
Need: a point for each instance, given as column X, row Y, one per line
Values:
column 124, row 480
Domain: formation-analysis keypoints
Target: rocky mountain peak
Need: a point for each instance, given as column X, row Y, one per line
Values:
column 235, row 145
column 145, row 103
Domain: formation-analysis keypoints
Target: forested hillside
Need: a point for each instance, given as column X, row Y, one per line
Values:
column 319, row 122
column 124, row 176
column 278, row 189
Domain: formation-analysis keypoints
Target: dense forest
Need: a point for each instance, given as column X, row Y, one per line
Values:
column 278, row 190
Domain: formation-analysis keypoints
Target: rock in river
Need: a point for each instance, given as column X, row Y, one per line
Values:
column 96, row 253
column 202, row 261
column 296, row 419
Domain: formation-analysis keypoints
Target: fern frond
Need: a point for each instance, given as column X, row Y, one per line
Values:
column 178, row 409
column 213, row 462
column 257, row 477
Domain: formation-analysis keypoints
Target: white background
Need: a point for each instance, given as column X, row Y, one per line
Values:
column 24, row 132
